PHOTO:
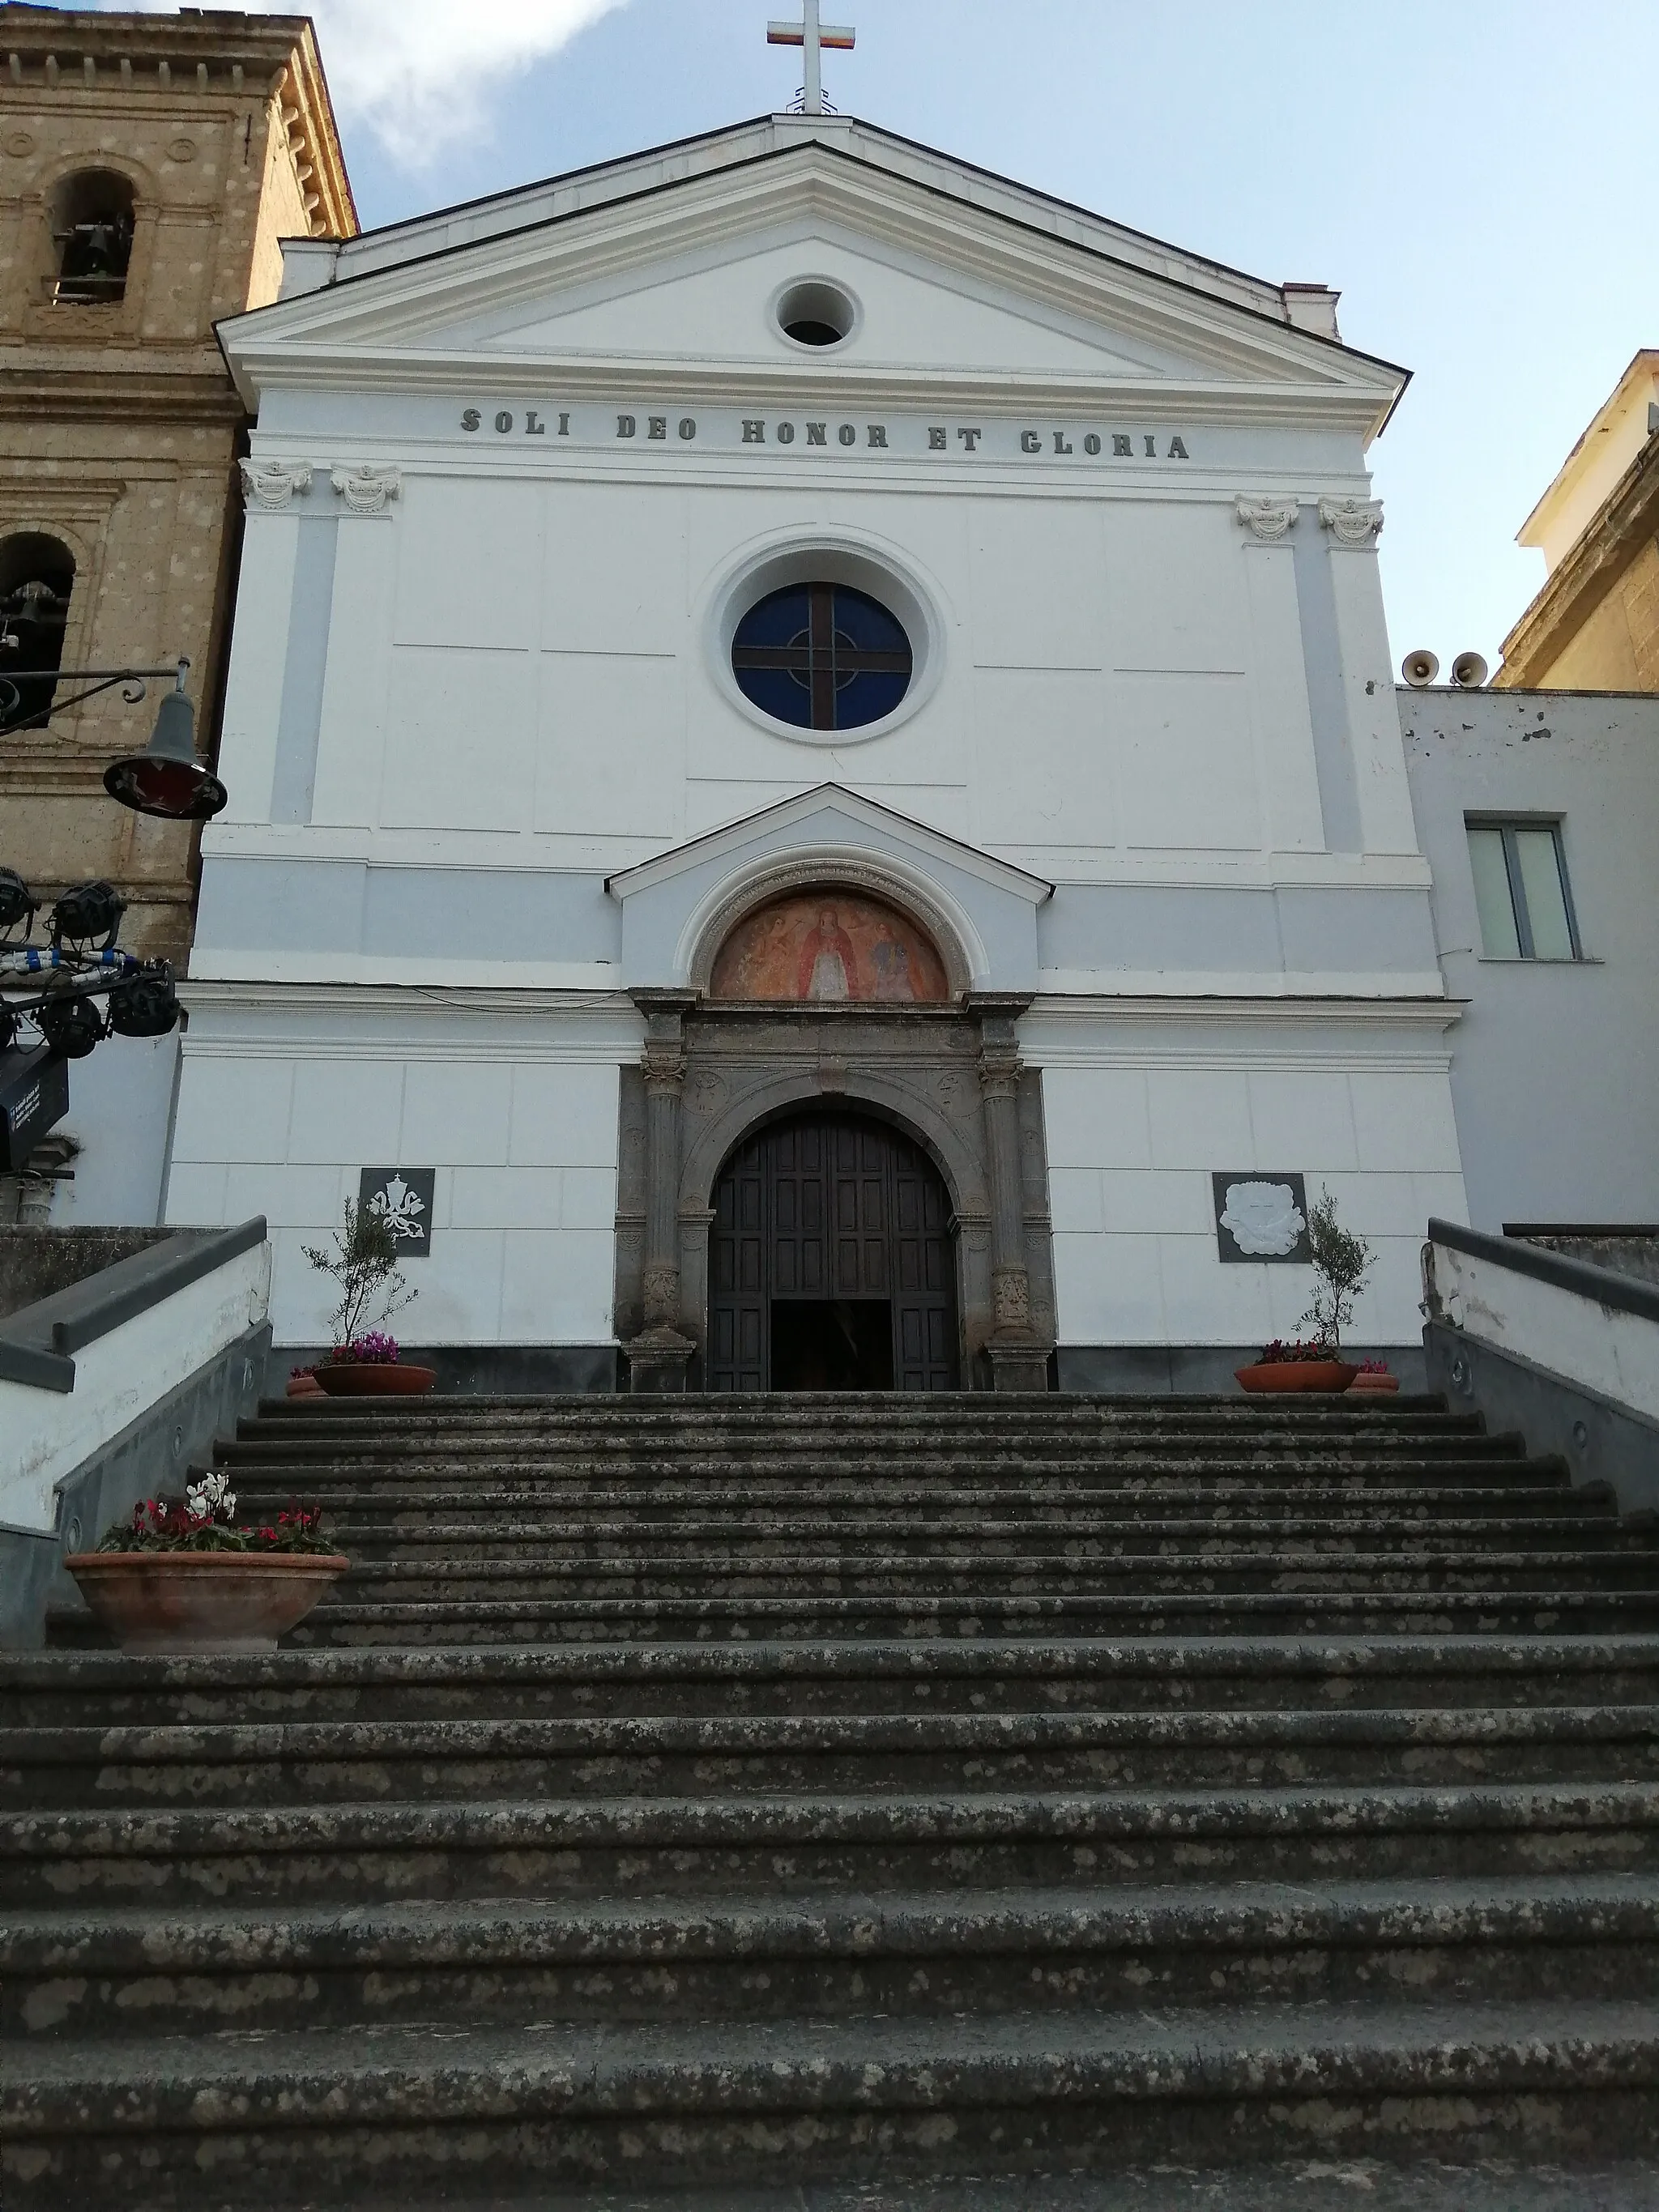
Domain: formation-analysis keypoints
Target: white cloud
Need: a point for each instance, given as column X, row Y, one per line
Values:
column 419, row 72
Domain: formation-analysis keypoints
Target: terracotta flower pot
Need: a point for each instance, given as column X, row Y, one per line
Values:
column 375, row 1378
column 203, row 1600
column 1382, row 1383
column 303, row 1385
column 1297, row 1375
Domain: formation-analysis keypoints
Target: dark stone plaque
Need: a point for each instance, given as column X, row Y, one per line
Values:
column 404, row 1196
column 1261, row 1217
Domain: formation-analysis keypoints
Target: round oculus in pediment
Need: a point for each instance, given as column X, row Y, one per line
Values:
column 829, row 945
column 816, row 313
column 822, row 656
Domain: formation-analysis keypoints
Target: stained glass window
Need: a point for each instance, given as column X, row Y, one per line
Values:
column 822, row 657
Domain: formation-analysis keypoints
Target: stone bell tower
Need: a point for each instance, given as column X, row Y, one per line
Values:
column 150, row 165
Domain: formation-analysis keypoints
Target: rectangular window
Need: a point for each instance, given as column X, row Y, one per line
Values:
column 1520, row 890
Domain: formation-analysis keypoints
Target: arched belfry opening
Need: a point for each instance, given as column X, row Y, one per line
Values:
column 832, row 1262
column 37, row 579
column 833, row 1171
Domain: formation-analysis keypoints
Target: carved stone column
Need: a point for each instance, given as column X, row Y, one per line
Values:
column 658, row 1357
column 1019, row 1356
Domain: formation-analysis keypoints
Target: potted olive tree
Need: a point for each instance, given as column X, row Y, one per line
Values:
column 189, row 1577
column 362, row 1262
column 1341, row 1263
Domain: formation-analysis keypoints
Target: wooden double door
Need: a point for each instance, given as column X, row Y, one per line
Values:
column 832, row 1264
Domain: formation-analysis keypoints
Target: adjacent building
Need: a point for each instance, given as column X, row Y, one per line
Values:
column 1594, row 625
column 1539, row 813
column 150, row 165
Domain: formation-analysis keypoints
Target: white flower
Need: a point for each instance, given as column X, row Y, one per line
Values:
column 210, row 1497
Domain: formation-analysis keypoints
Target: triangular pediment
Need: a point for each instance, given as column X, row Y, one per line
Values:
column 980, row 911
column 912, row 315
column 953, row 290
column 827, row 816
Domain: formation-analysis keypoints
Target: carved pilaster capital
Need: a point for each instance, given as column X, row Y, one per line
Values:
column 365, row 488
column 664, row 1067
column 1352, row 521
column 1000, row 1071
column 1266, row 517
column 270, row 486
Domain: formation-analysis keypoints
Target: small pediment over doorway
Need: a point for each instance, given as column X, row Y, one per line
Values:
column 916, row 917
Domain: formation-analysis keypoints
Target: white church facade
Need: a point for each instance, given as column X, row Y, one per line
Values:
column 815, row 773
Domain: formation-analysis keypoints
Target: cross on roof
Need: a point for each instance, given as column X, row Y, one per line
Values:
column 814, row 36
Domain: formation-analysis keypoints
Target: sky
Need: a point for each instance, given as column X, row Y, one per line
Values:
column 1474, row 176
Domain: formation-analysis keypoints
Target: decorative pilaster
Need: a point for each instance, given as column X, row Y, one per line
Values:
column 1352, row 521
column 1266, row 518
column 269, row 487
column 659, row 1355
column 1019, row 1359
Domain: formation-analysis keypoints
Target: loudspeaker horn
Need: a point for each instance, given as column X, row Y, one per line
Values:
column 1470, row 671
column 1420, row 667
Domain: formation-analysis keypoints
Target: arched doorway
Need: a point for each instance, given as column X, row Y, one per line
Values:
column 832, row 1262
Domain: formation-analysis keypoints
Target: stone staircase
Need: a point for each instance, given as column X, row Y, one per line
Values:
column 734, row 1792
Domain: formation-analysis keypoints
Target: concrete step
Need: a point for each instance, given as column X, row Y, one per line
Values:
column 1517, row 1611
column 120, row 1973
column 810, row 1458
column 694, row 1535
column 611, row 1847
column 876, row 1410
column 307, row 1762
column 276, row 2118
column 1424, row 1563
column 985, row 1673
column 403, row 1502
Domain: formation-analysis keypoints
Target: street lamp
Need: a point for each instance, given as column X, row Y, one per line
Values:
column 166, row 779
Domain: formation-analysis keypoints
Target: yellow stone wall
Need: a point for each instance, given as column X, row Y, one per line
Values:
column 119, row 427
column 1616, row 649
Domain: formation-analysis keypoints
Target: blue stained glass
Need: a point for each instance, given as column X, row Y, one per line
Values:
column 822, row 656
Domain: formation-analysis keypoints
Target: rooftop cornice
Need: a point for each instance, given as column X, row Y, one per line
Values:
column 383, row 315
column 731, row 144
column 215, row 54
column 1621, row 530
column 781, row 387
column 1644, row 368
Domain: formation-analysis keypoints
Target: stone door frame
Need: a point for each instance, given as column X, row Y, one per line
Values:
column 950, row 1077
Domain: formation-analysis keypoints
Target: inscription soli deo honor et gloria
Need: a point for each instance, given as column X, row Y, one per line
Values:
column 900, row 436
